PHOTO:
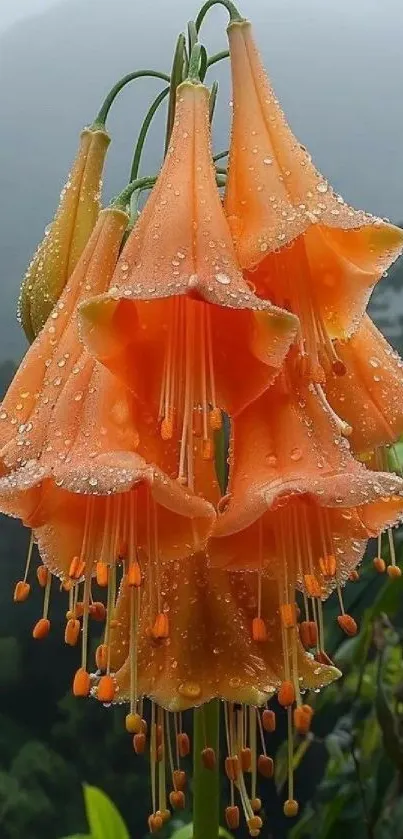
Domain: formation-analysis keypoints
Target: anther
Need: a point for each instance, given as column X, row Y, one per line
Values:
column 133, row 723
column 101, row 657
column 155, row 823
column 179, row 779
column 232, row 767
column 81, row 683
column 72, row 632
column 183, row 743
column 291, row 808
column 265, row 766
column 303, row 718
column 394, row 571
column 208, row 757
column 106, row 689
column 167, row 428
column 77, row 568
column 347, row 624
column 215, row 419
column 160, row 629
column 42, row 574
column 165, row 815
column 312, row 585
column 177, row 799
column 327, row 565
column 379, row 565
column 308, row 631
column 246, row 759
column 97, row 611
column 41, row 629
column 21, row 591
column 269, row 721
column 232, row 817
column 259, row 631
column 256, row 804
column 255, row 823
column 354, row 576
column 134, row 574
column 286, row 694
column 102, row 574
column 160, row 753
column 288, row 615
column 139, row 743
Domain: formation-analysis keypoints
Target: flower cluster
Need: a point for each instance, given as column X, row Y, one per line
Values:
column 239, row 318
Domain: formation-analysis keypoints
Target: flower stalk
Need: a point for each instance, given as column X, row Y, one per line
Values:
column 100, row 119
column 206, row 784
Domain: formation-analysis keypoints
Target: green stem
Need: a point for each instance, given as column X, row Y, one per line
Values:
column 213, row 100
column 206, row 782
column 219, row 56
column 220, row 155
column 100, row 119
column 123, row 199
column 231, row 8
column 194, row 63
column 143, row 132
column 176, row 78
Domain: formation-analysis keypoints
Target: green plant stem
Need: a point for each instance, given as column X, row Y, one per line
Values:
column 194, row 63
column 143, row 132
column 219, row 56
column 101, row 117
column 220, row 155
column 231, row 8
column 206, row 782
column 123, row 199
column 177, row 74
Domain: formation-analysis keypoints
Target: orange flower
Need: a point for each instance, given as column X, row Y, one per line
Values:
column 300, row 244
column 184, row 358
column 210, row 651
column 370, row 395
column 67, row 236
column 298, row 502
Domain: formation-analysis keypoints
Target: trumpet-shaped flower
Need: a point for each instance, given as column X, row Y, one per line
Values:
column 67, row 235
column 301, row 245
column 179, row 325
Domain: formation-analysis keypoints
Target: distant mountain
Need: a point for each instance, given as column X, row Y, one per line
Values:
column 336, row 69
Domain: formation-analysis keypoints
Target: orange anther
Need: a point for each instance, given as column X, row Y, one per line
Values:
column 354, row 576
column 177, row 799
column 379, row 564
column 232, row 767
column 101, row 657
column 179, row 779
column 259, row 631
column 97, row 611
column 215, row 419
column 286, row 694
column 246, row 759
column 167, row 428
column 164, row 814
column 160, row 753
column 394, row 572
column 232, row 817
column 155, row 823
column 312, row 585
column 347, row 624
column 302, row 718
column 197, row 422
column 209, row 759
column 81, row 683
column 269, row 721
column 144, row 727
column 41, row 629
column 160, row 629
column 67, row 585
column 139, row 743
column 77, row 568
column 208, row 450
column 265, row 766
column 79, row 610
column 288, row 615
column 21, row 591
column 42, row 574
column 256, row 804
column 183, row 744
column 133, row 723
column 327, row 565
column 134, row 574
column 291, row 808
column 72, row 632
column 255, row 823
column 106, row 689
column 102, row 574
column 309, row 634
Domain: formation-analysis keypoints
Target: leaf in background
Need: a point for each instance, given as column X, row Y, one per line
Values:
column 104, row 819
column 186, row 832
column 387, row 721
column 281, row 761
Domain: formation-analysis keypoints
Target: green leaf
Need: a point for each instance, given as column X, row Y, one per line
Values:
column 79, row 836
column 186, row 832
column 103, row 817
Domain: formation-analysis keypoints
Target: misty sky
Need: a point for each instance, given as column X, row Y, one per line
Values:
column 337, row 66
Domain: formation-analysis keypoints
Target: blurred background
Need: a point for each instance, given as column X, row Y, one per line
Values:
column 337, row 68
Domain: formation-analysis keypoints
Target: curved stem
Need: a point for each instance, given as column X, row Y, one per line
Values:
column 219, row 56
column 192, row 35
column 143, row 132
column 206, row 782
column 220, row 155
column 231, row 9
column 176, row 78
column 122, row 200
column 108, row 102
column 213, row 100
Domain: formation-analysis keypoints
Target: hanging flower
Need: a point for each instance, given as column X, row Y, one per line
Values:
column 179, row 325
column 67, row 235
column 301, row 246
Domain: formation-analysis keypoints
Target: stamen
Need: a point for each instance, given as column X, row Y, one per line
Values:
column 22, row 588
